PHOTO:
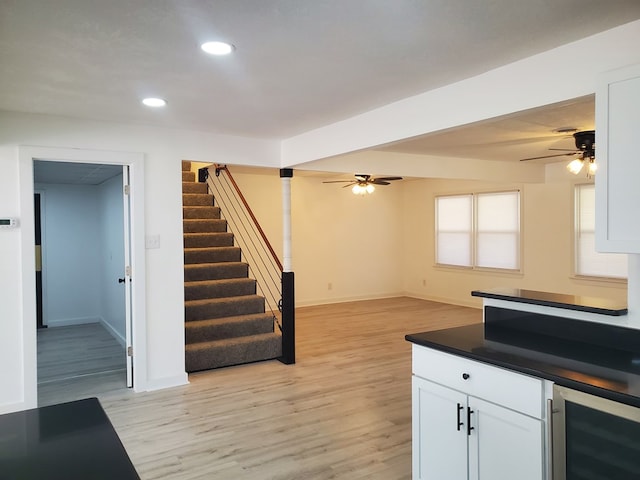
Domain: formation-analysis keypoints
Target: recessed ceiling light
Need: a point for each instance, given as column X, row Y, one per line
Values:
column 154, row 102
column 217, row 48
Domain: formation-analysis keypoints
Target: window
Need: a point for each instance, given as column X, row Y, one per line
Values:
column 479, row 230
column 588, row 262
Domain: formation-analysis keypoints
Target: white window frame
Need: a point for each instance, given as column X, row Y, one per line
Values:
column 473, row 264
column 578, row 244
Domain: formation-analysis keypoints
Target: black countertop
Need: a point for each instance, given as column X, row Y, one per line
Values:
column 62, row 442
column 598, row 370
column 601, row 306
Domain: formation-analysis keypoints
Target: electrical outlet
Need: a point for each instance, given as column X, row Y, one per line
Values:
column 424, row 282
column 329, row 286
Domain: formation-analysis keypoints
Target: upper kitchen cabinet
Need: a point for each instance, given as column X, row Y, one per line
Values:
column 618, row 159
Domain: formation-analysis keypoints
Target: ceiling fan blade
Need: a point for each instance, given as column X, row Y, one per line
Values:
column 389, row 179
column 565, row 150
column 548, row 156
column 349, row 184
column 379, row 181
column 338, row 181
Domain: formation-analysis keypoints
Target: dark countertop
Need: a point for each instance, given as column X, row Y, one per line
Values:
column 598, row 370
column 72, row 440
column 601, row 306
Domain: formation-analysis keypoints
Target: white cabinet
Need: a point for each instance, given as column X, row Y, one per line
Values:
column 458, row 434
column 617, row 192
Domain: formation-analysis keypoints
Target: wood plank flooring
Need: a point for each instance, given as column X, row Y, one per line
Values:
column 343, row 411
column 78, row 361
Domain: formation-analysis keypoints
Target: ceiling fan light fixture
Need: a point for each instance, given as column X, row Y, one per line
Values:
column 362, row 188
column 575, row 166
column 593, row 167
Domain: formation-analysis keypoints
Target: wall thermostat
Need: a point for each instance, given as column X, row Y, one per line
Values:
column 8, row 222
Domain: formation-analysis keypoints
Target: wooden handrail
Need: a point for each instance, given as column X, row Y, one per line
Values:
column 219, row 167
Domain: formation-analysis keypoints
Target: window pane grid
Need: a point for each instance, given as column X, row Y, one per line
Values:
column 479, row 230
column 589, row 262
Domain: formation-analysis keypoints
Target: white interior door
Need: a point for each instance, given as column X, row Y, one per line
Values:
column 127, row 274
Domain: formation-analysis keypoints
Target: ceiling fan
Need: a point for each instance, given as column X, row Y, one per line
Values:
column 364, row 183
column 585, row 149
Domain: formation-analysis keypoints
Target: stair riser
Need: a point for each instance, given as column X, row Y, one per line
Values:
column 224, row 309
column 203, row 240
column 204, row 226
column 216, row 272
column 212, row 255
column 188, row 176
column 228, row 330
column 227, row 355
column 195, row 213
column 197, row 199
column 194, row 187
column 223, row 290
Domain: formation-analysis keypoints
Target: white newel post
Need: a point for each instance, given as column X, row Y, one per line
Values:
column 285, row 176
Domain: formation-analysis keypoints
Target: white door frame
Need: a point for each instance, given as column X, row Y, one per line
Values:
column 135, row 161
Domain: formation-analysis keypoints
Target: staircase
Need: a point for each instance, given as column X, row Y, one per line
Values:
column 225, row 320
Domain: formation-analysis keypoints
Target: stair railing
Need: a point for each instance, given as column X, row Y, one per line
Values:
column 264, row 265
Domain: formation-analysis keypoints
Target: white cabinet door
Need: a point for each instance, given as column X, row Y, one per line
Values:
column 504, row 445
column 439, row 443
column 617, row 192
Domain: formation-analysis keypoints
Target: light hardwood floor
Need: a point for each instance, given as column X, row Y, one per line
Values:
column 78, row 361
column 343, row 411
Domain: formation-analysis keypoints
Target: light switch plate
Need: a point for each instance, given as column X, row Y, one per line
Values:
column 152, row 241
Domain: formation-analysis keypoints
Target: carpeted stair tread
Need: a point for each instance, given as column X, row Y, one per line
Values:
column 213, row 239
column 200, row 212
column 212, row 255
column 204, row 226
column 224, row 353
column 223, row 307
column 194, row 187
column 195, row 199
column 225, row 321
column 227, row 287
column 215, row 271
column 228, row 327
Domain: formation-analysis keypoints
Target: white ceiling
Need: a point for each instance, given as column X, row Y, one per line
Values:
column 298, row 64
column 511, row 138
column 73, row 173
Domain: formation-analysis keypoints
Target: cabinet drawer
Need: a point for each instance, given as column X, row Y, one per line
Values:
column 513, row 390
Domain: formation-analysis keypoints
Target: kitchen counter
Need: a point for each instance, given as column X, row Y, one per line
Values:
column 596, row 305
column 610, row 369
column 72, row 440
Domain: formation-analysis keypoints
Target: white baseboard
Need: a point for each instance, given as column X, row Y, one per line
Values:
column 167, row 382
column 114, row 333
column 358, row 298
column 14, row 407
column 451, row 301
column 65, row 322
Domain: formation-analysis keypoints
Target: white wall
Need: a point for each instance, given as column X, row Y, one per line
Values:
column 384, row 244
column 547, row 245
column 163, row 149
column 70, row 251
column 111, row 257
column 351, row 242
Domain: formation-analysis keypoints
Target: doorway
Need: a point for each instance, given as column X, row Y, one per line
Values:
column 82, row 233
column 134, row 163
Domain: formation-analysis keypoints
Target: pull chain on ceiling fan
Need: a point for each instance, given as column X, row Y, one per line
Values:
column 364, row 184
column 586, row 150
